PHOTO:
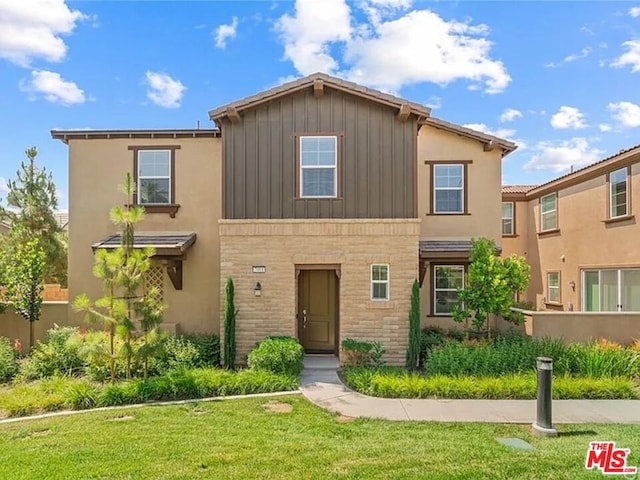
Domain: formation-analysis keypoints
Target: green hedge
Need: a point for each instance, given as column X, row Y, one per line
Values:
column 396, row 383
column 282, row 355
column 63, row 392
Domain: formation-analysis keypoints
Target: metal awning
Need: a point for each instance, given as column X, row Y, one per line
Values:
column 170, row 248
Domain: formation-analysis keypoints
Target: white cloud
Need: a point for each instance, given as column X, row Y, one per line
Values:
column 630, row 57
column 634, row 12
column 625, row 113
column 416, row 46
column 568, row 117
column 585, row 52
column 163, row 90
column 33, row 29
column 53, row 88
column 226, row 32
column 510, row 114
column 500, row 132
column 561, row 156
column 604, row 127
column 434, row 102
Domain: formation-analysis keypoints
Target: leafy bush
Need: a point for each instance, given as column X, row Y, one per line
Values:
column 59, row 354
column 82, row 395
column 430, row 337
column 186, row 351
column 396, row 383
column 35, row 397
column 604, row 359
column 208, row 346
column 8, row 360
column 278, row 355
column 357, row 353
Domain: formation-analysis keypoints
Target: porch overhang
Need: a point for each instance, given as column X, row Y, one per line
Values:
column 169, row 247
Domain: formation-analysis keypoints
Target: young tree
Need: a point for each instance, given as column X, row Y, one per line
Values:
column 413, row 351
column 31, row 203
column 126, row 304
column 24, row 275
column 490, row 286
column 230, row 314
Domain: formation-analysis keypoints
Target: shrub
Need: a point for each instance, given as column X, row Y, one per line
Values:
column 175, row 352
column 604, row 359
column 413, row 350
column 59, row 354
column 230, row 314
column 82, row 395
column 430, row 337
column 8, row 360
column 395, row 383
column 278, row 355
column 208, row 346
column 362, row 354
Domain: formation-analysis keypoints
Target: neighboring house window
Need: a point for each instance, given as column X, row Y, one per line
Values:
column 507, row 218
column 553, row 287
column 611, row 290
column 549, row 212
column 319, row 166
column 447, row 280
column 618, row 198
column 448, row 188
column 154, row 177
column 379, row 282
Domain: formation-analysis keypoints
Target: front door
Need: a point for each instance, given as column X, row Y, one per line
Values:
column 317, row 310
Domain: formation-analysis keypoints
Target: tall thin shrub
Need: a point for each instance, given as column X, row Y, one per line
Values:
column 230, row 313
column 413, row 350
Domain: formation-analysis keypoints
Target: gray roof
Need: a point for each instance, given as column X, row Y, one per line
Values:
column 165, row 243
column 439, row 246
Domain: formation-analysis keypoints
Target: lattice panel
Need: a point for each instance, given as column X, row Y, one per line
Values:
column 154, row 278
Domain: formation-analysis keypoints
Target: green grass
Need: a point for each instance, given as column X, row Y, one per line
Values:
column 240, row 439
column 397, row 383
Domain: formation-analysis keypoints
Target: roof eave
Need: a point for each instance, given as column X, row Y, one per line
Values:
column 490, row 142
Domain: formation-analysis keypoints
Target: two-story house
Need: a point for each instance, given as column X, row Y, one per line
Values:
column 580, row 236
column 323, row 200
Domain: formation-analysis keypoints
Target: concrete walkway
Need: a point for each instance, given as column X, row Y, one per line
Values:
column 321, row 385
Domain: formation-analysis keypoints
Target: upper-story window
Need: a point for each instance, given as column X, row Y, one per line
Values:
column 154, row 177
column 318, row 166
column 618, row 197
column 448, row 188
column 508, row 227
column 549, row 212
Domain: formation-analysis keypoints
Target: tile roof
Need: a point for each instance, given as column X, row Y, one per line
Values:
column 517, row 188
column 430, row 246
column 164, row 241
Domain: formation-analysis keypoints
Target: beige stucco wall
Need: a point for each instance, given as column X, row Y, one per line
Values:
column 97, row 167
column 354, row 245
column 584, row 240
column 14, row 326
column 620, row 327
column 484, row 176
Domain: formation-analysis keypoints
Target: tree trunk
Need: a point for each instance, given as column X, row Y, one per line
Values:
column 32, row 334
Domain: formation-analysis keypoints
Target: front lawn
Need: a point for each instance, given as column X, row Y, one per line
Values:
column 260, row 438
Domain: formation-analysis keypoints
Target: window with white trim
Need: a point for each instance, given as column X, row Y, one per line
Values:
column 618, row 193
column 611, row 290
column 553, row 287
column 154, row 177
column 507, row 218
column 379, row 282
column 319, row 166
column 447, row 280
column 448, row 188
column 549, row 212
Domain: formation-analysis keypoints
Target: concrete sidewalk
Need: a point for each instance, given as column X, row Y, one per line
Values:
column 321, row 385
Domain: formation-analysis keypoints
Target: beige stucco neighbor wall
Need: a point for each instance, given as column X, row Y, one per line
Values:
column 14, row 326
column 97, row 167
column 623, row 328
column 354, row 245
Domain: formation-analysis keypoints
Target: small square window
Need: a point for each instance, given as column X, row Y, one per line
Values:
column 379, row 282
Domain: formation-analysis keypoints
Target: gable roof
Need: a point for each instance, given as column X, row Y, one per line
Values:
column 318, row 79
column 490, row 141
column 517, row 188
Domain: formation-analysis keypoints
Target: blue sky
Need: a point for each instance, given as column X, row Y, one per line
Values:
column 561, row 79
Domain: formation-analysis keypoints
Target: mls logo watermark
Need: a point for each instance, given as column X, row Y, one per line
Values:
column 608, row 459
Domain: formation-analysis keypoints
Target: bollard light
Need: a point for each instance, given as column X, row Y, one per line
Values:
column 543, row 425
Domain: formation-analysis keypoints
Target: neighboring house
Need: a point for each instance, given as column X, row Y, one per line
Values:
column 580, row 235
column 322, row 199
column 4, row 226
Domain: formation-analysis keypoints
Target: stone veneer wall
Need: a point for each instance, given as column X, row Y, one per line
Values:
column 354, row 244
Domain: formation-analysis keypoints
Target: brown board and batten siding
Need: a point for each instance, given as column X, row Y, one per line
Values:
column 376, row 158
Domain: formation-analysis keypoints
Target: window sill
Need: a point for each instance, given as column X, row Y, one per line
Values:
column 554, row 306
column 445, row 214
column 512, row 235
column 170, row 208
column 548, row 232
column 625, row 218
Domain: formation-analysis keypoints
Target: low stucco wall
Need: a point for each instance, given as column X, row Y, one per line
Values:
column 14, row 326
column 619, row 327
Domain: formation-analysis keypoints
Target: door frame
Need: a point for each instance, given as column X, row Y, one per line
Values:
column 330, row 267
